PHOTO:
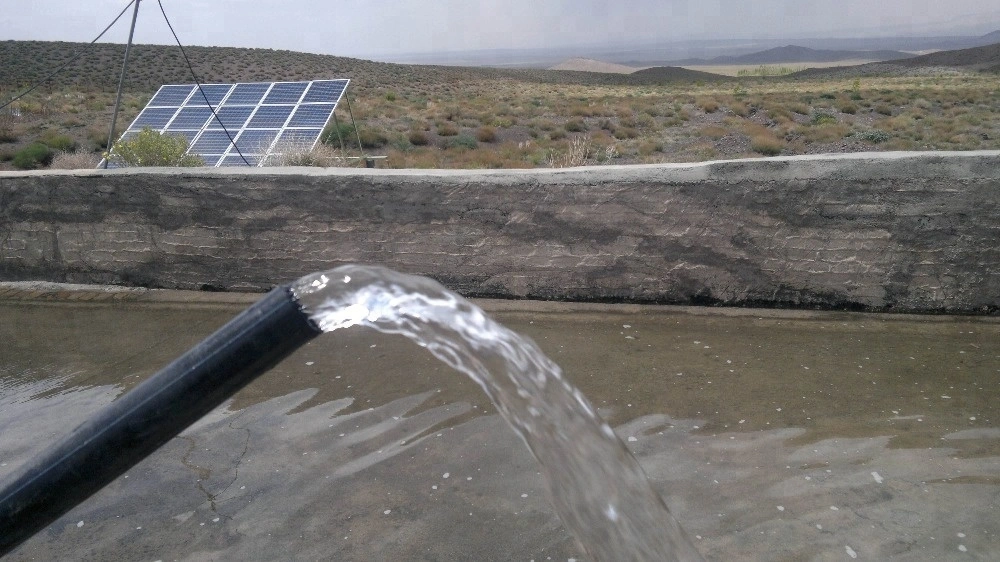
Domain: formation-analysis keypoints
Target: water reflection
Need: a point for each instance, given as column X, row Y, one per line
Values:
column 910, row 462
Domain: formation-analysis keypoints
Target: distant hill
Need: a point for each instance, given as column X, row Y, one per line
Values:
column 976, row 59
column 658, row 74
column 150, row 66
column 992, row 37
column 591, row 65
column 797, row 54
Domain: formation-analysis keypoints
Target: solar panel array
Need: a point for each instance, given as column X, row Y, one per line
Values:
column 265, row 119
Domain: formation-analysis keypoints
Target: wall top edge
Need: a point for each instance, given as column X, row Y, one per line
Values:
column 979, row 163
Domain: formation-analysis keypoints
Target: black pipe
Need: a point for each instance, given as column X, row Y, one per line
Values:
column 139, row 422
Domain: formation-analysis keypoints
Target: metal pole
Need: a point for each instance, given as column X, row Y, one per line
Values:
column 336, row 125
column 355, row 123
column 121, row 83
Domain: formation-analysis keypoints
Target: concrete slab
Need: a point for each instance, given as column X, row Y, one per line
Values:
column 771, row 435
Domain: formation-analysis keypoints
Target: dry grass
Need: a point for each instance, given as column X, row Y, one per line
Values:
column 75, row 161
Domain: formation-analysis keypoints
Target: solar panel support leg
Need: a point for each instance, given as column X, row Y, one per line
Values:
column 121, row 84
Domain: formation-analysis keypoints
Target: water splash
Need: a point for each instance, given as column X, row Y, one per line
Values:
column 596, row 486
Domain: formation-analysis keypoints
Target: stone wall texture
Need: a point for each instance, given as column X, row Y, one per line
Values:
column 916, row 232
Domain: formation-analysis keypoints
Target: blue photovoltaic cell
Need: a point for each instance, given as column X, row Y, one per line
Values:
column 297, row 138
column 325, row 91
column 211, row 142
column 214, row 93
column 235, row 160
column 270, row 117
column 255, row 114
column 314, row 115
column 211, row 160
column 190, row 118
column 255, row 142
column 153, row 117
column 286, row 92
column 171, row 95
column 231, row 117
column 189, row 135
column 248, row 94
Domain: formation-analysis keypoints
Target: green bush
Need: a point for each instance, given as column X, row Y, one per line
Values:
column 346, row 134
column 150, row 148
column 462, row 141
column 575, row 126
column 819, row 118
column 371, row 138
column 35, row 155
column 873, row 136
column 55, row 141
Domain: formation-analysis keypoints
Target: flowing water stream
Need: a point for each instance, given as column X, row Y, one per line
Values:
column 596, row 486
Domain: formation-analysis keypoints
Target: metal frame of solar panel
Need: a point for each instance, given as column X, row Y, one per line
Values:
column 266, row 119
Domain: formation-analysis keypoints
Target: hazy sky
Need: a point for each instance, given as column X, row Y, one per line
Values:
column 381, row 28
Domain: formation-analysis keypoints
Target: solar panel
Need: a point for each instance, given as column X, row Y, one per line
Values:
column 265, row 119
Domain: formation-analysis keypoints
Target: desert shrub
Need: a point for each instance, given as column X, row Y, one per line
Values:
column 98, row 135
column 820, row 118
column 883, row 108
column 766, row 144
column 447, row 129
column 462, row 141
column 625, row 133
column 873, row 136
column 35, row 155
column 150, row 148
column 739, row 108
column 334, row 133
column 486, row 134
column 321, row 155
column 714, row 132
column 576, row 154
column 648, row 147
column 557, row 134
column 825, row 133
column 708, row 105
column 7, row 131
column 55, row 141
column 372, row 138
column 418, row 138
column 798, row 107
column 575, row 126
column 828, row 96
column 847, row 107
column 74, row 161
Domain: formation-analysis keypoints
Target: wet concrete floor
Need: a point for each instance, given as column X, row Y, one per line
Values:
column 772, row 435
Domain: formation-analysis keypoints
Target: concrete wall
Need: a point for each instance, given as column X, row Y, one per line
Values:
column 885, row 231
